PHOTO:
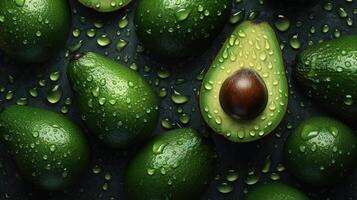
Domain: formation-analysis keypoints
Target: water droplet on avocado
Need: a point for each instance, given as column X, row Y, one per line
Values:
column 158, row 147
column 182, row 14
column 150, row 171
column 20, row 2
column 309, row 132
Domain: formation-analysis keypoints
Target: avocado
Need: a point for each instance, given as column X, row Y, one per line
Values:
column 244, row 94
column 328, row 73
column 116, row 103
column 50, row 151
column 275, row 191
column 105, row 5
column 320, row 151
column 172, row 166
column 32, row 30
column 176, row 29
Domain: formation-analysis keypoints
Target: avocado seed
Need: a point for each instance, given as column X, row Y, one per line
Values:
column 244, row 95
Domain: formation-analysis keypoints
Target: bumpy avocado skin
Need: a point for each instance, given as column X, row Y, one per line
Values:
column 32, row 32
column 328, row 73
column 173, row 166
column 252, row 45
column 105, row 5
column 172, row 28
column 50, row 151
column 116, row 103
column 275, row 191
column 320, row 151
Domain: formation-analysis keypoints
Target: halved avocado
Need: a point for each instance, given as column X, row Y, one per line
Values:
column 253, row 47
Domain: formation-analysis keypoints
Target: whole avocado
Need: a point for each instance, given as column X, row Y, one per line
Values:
column 321, row 151
column 50, row 151
column 328, row 73
column 275, row 191
column 116, row 103
column 174, row 28
column 32, row 30
column 173, row 166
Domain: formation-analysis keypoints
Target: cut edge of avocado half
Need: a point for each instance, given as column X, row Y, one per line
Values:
column 253, row 45
column 105, row 5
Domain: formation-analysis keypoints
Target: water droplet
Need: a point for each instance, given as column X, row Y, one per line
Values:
column 182, row 14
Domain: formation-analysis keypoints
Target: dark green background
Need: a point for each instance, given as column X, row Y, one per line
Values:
column 243, row 158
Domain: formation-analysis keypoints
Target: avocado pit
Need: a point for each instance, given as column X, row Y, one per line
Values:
column 244, row 95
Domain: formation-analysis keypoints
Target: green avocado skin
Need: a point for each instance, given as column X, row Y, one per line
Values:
column 116, row 103
column 49, row 150
column 105, row 5
column 275, row 191
column 173, row 166
column 320, row 151
column 328, row 73
column 32, row 32
column 172, row 28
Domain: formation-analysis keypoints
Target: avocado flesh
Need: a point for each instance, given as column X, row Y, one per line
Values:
column 328, row 73
column 116, row 103
column 253, row 45
column 105, row 5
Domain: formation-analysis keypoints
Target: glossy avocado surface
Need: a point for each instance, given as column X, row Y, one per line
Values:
column 321, row 151
column 50, row 151
column 327, row 72
column 177, row 29
column 31, row 31
column 117, row 104
column 105, row 6
column 174, row 165
column 105, row 178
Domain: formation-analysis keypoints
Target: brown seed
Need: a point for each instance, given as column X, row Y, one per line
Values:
column 244, row 95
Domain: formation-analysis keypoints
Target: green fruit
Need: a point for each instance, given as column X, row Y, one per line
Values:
column 173, row 166
column 116, row 103
column 105, row 5
column 250, row 55
column 182, row 28
column 320, row 151
column 275, row 191
column 32, row 30
column 50, row 150
column 328, row 73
